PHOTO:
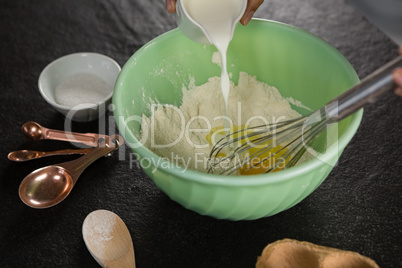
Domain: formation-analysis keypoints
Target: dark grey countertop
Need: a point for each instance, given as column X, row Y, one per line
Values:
column 358, row 207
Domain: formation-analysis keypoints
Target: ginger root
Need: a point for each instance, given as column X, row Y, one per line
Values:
column 288, row 253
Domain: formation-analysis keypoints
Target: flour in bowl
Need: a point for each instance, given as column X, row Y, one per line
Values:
column 179, row 133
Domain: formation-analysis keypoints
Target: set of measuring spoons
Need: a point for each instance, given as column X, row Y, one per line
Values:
column 48, row 186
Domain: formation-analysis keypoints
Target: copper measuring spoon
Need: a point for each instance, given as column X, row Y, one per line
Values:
column 26, row 155
column 34, row 131
column 48, row 186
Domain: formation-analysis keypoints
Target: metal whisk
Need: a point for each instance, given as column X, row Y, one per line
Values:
column 233, row 152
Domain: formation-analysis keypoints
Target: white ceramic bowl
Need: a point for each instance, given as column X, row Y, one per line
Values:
column 79, row 63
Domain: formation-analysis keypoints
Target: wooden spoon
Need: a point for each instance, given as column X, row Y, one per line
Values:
column 108, row 239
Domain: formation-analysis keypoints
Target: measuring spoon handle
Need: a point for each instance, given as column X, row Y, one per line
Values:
column 106, row 146
column 26, row 155
column 35, row 131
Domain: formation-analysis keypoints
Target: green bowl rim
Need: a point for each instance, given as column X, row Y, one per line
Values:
column 215, row 179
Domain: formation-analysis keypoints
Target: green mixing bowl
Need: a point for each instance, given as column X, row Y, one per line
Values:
column 299, row 64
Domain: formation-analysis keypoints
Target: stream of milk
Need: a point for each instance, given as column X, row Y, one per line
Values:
column 217, row 17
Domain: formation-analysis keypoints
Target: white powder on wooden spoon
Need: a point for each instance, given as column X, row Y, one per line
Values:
column 98, row 230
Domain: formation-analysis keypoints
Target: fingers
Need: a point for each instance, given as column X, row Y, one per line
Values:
column 397, row 75
column 398, row 91
column 171, row 6
column 252, row 6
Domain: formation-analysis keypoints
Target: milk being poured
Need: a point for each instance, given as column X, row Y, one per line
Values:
column 217, row 17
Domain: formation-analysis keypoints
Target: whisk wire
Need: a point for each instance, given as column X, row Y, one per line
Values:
column 252, row 140
column 286, row 133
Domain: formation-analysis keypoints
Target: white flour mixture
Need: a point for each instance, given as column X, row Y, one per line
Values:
column 178, row 133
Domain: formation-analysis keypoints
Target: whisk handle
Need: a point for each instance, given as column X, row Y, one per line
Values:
column 367, row 91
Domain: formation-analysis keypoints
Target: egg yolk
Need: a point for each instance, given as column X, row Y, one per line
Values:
column 263, row 162
column 259, row 163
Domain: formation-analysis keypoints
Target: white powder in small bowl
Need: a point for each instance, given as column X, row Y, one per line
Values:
column 82, row 88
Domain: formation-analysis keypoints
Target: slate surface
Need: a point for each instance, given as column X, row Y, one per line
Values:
column 358, row 207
